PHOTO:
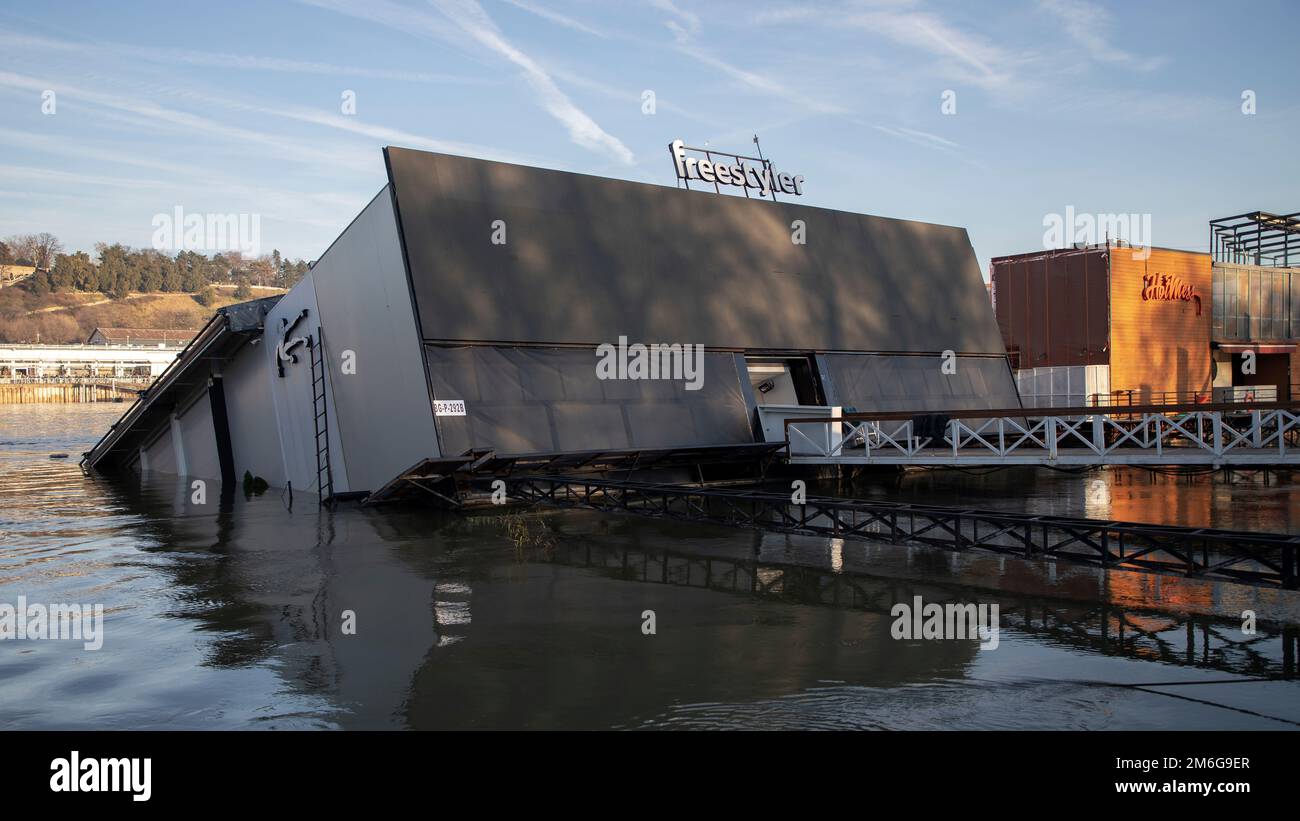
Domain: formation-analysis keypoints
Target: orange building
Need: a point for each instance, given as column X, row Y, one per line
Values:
column 1117, row 324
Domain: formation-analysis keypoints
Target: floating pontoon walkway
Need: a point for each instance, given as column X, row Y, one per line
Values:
column 1221, row 435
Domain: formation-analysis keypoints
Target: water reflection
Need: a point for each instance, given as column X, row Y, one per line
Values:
column 231, row 614
column 1258, row 500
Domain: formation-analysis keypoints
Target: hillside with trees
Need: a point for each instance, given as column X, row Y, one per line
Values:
column 68, row 294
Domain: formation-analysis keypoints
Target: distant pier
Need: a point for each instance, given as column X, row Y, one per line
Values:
column 79, row 373
column 70, row 390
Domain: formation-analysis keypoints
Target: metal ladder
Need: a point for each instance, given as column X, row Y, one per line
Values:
column 320, row 419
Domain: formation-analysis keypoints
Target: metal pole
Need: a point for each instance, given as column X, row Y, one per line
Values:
column 767, row 166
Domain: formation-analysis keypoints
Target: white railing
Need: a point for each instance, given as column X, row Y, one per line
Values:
column 1193, row 436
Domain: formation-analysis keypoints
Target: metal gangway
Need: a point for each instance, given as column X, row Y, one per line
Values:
column 1214, row 435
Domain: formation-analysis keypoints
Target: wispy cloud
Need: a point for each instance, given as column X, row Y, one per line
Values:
column 984, row 64
column 74, row 178
column 139, row 112
column 965, row 55
column 686, row 26
column 154, row 116
column 583, row 130
column 466, row 17
column 683, row 24
column 556, row 17
column 1090, row 25
column 392, row 15
column 919, row 137
column 224, row 60
column 628, row 96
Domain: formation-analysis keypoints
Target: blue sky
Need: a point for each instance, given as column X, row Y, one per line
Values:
column 235, row 107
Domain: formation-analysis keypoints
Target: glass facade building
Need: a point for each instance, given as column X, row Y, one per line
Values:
column 1253, row 303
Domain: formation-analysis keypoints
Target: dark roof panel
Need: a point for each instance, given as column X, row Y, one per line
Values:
column 588, row 259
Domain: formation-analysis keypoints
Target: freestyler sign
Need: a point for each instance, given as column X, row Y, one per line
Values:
column 733, row 169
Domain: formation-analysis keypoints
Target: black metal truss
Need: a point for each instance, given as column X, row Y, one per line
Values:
column 1262, row 559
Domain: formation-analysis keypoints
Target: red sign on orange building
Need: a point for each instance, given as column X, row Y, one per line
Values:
column 1169, row 287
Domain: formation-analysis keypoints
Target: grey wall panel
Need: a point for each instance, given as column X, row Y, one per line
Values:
column 161, row 454
column 200, row 440
column 254, row 434
column 292, row 394
column 869, row 382
column 588, row 259
column 383, row 410
column 549, row 400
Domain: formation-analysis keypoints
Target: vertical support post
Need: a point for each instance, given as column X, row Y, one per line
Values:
column 221, row 427
column 178, row 447
column 1256, row 429
column 1098, row 435
column 1050, row 430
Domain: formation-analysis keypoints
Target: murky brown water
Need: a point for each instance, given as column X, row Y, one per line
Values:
column 230, row 614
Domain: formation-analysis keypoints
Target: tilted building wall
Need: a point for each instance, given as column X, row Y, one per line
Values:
column 415, row 303
column 509, row 257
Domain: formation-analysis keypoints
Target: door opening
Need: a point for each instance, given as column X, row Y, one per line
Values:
column 780, row 380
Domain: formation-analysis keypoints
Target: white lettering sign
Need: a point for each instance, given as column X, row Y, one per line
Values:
column 757, row 174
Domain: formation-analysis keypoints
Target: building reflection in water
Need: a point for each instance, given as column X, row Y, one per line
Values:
column 458, row 627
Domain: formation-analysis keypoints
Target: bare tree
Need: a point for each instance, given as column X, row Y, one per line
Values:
column 45, row 246
column 23, row 248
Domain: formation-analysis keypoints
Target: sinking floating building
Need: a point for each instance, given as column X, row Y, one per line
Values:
column 461, row 314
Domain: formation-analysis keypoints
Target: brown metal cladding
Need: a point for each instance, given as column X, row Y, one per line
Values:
column 1052, row 307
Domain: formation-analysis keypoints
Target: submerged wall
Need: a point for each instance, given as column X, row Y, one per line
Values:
column 381, row 401
column 414, row 304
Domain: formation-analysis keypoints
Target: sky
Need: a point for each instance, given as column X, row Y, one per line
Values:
column 988, row 115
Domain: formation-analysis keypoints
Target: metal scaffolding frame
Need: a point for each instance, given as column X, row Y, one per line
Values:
column 1261, row 559
column 1256, row 238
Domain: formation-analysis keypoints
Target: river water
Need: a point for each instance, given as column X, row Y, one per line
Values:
column 234, row 614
